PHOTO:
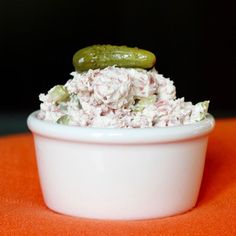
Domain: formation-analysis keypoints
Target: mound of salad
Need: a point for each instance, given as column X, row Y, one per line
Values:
column 118, row 97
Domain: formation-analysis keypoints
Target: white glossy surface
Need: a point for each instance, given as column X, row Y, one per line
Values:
column 120, row 173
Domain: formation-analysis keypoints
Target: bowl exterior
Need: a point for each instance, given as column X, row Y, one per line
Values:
column 120, row 181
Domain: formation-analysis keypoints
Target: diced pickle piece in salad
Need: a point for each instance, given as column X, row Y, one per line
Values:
column 64, row 120
column 144, row 102
column 75, row 100
column 203, row 107
column 58, row 94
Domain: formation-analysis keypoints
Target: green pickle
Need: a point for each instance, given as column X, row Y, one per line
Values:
column 144, row 102
column 58, row 94
column 204, row 105
column 64, row 120
column 101, row 56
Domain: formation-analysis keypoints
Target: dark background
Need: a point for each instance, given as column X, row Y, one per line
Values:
column 193, row 42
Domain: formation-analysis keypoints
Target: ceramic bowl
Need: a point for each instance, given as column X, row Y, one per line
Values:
column 120, row 174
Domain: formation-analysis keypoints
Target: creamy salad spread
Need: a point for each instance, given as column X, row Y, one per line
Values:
column 117, row 97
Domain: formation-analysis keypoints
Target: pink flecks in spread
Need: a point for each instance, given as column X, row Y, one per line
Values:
column 108, row 98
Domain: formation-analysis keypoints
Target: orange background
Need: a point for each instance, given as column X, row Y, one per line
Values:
column 22, row 210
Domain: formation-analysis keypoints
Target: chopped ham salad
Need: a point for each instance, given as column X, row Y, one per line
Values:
column 119, row 98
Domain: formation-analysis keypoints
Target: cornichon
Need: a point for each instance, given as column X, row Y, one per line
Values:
column 101, row 56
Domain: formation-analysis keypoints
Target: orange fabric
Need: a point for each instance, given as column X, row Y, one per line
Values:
column 22, row 210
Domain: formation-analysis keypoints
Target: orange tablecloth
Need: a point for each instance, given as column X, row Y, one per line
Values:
column 22, row 210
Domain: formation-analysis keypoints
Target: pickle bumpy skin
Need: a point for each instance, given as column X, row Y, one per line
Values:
column 101, row 56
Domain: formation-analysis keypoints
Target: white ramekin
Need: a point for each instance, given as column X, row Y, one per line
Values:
column 121, row 174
